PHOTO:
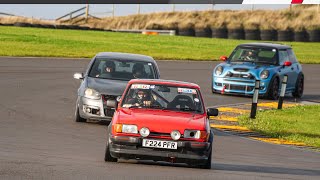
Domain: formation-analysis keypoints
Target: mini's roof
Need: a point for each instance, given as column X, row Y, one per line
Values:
column 268, row 45
column 165, row 82
column 125, row 56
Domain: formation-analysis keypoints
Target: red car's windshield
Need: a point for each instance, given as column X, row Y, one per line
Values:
column 163, row 97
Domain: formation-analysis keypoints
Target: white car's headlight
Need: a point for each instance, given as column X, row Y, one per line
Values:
column 129, row 129
column 219, row 70
column 264, row 74
column 92, row 94
column 192, row 134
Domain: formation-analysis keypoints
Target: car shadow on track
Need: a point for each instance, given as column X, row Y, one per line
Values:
column 265, row 169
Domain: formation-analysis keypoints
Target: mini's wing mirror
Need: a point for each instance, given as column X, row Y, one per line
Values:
column 78, row 76
column 287, row 63
column 223, row 58
column 212, row 112
column 118, row 99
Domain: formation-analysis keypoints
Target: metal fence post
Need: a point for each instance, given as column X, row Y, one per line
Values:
column 283, row 91
column 255, row 100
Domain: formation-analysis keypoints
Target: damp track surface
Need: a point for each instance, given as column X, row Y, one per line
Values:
column 40, row 140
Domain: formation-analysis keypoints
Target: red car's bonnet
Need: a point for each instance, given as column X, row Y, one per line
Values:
column 162, row 121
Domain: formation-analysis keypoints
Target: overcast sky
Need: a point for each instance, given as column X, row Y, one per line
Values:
column 55, row 10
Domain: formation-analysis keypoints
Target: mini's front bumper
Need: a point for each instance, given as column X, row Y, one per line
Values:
column 187, row 152
column 238, row 86
column 94, row 109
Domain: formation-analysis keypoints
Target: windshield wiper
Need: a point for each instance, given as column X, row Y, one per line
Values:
column 189, row 109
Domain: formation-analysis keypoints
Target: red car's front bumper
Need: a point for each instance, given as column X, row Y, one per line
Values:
column 187, row 152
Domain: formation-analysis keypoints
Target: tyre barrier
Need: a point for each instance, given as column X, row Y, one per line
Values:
column 96, row 29
column 6, row 24
column 268, row 35
column 219, row 32
column 37, row 25
column 21, row 24
column 75, row 27
column 252, row 34
column 186, row 32
column 84, row 28
column 61, row 27
column 301, row 36
column 285, row 35
column 235, row 34
column 49, row 26
column 204, row 32
column 314, row 35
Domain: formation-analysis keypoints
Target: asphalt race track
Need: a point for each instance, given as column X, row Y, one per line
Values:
column 39, row 138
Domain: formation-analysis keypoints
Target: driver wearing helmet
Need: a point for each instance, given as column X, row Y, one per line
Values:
column 140, row 99
column 138, row 71
column 107, row 70
column 250, row 56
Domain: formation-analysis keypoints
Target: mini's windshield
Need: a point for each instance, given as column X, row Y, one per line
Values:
column 121, row 69
column 163, row 97
column 254, row 55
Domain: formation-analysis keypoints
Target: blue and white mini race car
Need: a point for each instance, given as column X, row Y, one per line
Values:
column 266, row 62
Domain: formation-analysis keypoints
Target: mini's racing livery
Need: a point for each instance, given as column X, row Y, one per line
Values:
column 161, row 120
column 266, row 62
column 105, row 79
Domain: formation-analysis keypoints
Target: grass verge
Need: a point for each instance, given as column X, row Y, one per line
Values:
column 17, row 41
column 298, row 124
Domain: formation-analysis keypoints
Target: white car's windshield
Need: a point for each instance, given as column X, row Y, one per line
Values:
column 163, row 97
column 254, row 55
column 121, row 69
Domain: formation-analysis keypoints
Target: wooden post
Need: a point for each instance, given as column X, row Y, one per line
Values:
column 87, row 11
column 138, row 9
column 173, row 7
column 113, row 10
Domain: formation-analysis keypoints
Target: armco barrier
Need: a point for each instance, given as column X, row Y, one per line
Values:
column 160, row 32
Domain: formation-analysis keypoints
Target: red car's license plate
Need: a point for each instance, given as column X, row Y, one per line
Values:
column 159, row 144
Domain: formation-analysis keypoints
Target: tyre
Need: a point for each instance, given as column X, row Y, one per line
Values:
column 78, row 117
column 273, row 91
column 107, row 155
column 236, row 33
column 207, row 165
column 298, row 92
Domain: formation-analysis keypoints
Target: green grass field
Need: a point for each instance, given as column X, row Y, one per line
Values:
column 299, row 124
column 17, row 41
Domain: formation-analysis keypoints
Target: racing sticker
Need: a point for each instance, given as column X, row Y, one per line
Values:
column 140, row 86
column 187, row 91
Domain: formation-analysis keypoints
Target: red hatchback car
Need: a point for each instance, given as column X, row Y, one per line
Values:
column 161, row 120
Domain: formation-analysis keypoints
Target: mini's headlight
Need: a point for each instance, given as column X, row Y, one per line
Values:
column 191, row 134
column 219, row 70
column 92, row 94
column 129, row 129
column 175, row 135
column 144, row 132
column 264, row 74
